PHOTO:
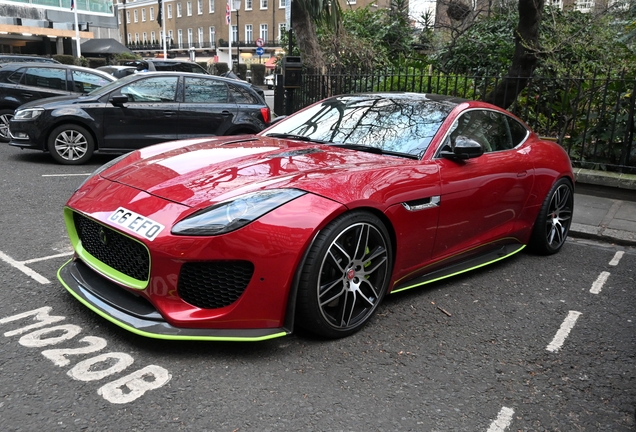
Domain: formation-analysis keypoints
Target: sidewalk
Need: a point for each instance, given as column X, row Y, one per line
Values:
column 606, row 219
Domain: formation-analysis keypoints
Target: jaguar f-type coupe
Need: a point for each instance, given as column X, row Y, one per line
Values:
column 313, row 221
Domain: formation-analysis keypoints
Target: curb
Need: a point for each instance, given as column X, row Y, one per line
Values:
column 604, row 178
column 623, row 238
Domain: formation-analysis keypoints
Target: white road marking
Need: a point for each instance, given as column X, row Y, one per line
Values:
column 21, row 265
column 116, row 361
column 65, row 175
column 563, row 332
column 597, row 286
column 617, row 258
column 47, row 258
column 24, row 269
column 133, row 386
column 503, row 420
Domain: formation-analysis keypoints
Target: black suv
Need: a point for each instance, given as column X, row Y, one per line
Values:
column 137, row 111
column 24, row 82
column 153, row 65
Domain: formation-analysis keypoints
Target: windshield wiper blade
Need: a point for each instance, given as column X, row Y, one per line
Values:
column 375, row 150
column 296, row 137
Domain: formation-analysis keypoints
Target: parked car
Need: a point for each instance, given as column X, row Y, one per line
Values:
column 24, row 82
column 313, row 221
column 165, row 65
column 270, row 81
column 118, row 71
column 18, row 58
column 138, row 111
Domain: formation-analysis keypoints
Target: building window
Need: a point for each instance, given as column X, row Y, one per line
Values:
column 136, row 37
column 170, row 38
column 282, row 4
column 144, row 37
column 263, row 4
column 127, row 17
column 152, row 13
column 212, row 37
column 200, row 37
column 135, row 16
column 200, row 7
column 189, row 8
column 263, row 34
column 180, row 38
column 352, row 2
column 153, row 37
column 178, row 10
column 282, row 29
column 249, row 33
column 143, row 15
column 190, row 44
column 211, row 6
column 584, row 5
column 234, row 34
column 129, row 38
column 169, row 13
column 248, row 4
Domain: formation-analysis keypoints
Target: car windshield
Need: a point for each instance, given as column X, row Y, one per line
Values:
column 397, row 124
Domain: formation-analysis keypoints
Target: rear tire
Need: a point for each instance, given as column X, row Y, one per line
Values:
column 553, row 222
column 71, row 144
column 345, row 276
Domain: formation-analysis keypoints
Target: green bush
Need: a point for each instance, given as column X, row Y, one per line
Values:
column 241, row 71
column 220, row 68
column 64, row 58
column 95, row 62
column 258, row 74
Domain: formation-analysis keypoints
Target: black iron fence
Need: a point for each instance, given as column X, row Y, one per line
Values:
column 591, row 117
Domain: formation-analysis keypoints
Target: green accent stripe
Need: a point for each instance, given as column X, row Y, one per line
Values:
column 96, row 264
column 460, row 272
column 158, row 335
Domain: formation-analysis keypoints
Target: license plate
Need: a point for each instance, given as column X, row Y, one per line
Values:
column 136, row 223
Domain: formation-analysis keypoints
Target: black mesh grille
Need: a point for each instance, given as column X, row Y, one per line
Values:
column 112, row 248
column 211, row 285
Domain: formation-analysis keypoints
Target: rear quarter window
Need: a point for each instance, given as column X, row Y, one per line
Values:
column 242, row 95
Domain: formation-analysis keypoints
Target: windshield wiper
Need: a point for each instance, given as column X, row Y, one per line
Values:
column 375, row 150
column 296, row 137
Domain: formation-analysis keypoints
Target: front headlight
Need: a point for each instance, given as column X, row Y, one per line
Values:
column 231, row 215
column 28, row 114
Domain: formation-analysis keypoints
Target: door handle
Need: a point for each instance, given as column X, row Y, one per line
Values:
column 169, row 113
column 522, row 174
column 226, row 113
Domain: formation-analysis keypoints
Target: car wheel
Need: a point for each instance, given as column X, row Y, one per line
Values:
column 71, row 144
column 5, row 117
column 345, row 276
column 553, row 223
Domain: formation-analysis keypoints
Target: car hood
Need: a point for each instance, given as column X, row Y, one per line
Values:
column 199, row 173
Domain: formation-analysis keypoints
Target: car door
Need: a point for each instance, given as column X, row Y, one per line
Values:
column 150, row 116
column 207, row 108
column 482, row 198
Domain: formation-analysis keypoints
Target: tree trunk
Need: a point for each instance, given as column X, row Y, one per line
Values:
column 524, row 58
column 305, row 34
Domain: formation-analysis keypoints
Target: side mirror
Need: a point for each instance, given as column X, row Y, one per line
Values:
column 118, row 100
column 465, row 148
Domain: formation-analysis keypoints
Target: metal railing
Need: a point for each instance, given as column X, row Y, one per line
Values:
column 592, row 117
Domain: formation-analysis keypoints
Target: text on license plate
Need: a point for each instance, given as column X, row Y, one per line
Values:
column 136, row 223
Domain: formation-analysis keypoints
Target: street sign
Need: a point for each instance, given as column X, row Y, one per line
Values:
column 260, row 51
column 260, row 42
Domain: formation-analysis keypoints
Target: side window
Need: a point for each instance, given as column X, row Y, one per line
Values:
column 242, row 96
column 86, row 82
column 16, row 76
column 488, row 128
column 517, row 131
column 51, row 78
column 202, row 90
column 151, row 89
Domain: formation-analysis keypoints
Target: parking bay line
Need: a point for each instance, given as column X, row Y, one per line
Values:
column 502, row 421
column 563, row 332
column 617, row 258
column 21, row 265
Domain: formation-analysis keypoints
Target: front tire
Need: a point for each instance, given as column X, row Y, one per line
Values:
column 71, row 144
column 5, row 117
column 555, row 217
column 345, row 276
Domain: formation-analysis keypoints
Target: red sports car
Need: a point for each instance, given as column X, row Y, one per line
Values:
column 314, row 220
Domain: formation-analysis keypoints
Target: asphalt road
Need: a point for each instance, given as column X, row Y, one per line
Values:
column 486, row 351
